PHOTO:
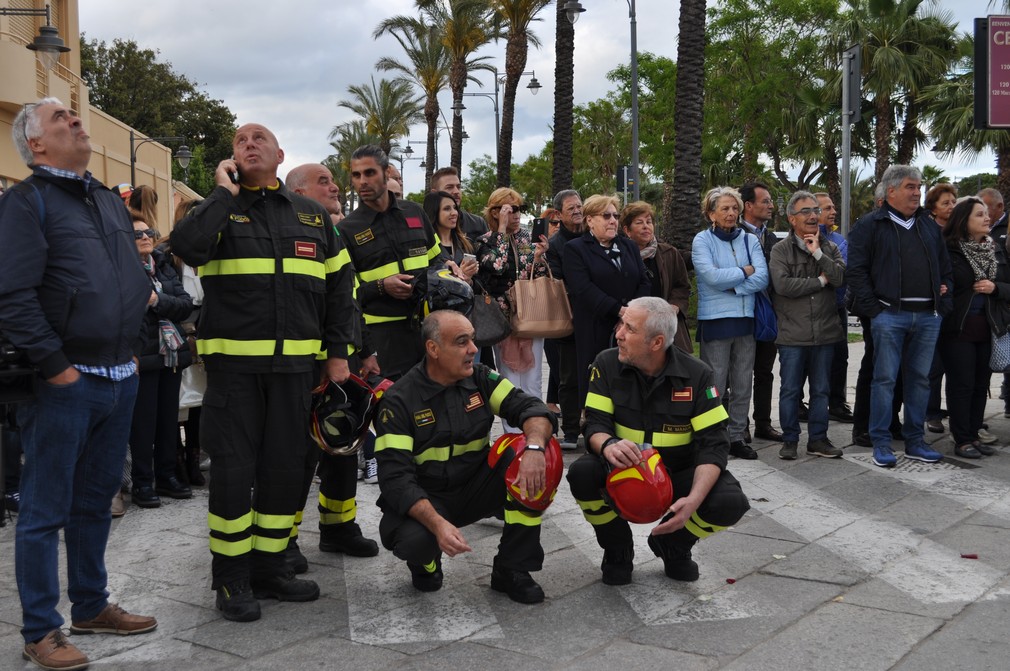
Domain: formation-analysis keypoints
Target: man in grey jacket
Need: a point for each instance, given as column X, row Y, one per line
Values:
column 806, row 268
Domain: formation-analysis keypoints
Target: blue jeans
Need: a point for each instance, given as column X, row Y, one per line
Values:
column 906, row 340
column 74, row 440
column 795, row 363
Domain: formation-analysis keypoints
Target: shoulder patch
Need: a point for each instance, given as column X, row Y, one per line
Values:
column 424, row 417
column 311, row 219
column 594, row 372
column 414, row 222
column 239, row 218
column 386, row 415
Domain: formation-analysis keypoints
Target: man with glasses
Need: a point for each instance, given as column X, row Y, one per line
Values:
column 805, row 270
column 900, row 279
column 72, row 297
column 757, row 212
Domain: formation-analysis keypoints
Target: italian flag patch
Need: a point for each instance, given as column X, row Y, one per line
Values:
column 711, row 392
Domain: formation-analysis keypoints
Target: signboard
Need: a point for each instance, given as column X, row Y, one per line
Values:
column 999, row 72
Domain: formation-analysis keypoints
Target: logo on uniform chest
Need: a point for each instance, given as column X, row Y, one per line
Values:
column 475, row 401
column 685, row 394
column 424, row 417
column 305, row 249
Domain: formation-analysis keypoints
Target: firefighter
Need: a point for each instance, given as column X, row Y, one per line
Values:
column 277, row 285
column 435, row 474
column 646, row 391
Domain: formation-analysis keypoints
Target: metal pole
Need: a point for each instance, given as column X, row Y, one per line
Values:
column 634, row 97
column 497, row 123
column 846, row 146
column 133, row 162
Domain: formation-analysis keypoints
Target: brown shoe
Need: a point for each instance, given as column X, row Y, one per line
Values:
column 118, row 504
column 115, row 620
column 54, row 651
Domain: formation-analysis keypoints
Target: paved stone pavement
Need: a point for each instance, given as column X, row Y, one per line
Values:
column 839, row 565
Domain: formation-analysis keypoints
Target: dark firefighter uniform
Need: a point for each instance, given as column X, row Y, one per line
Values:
column 277, row 284
column 381, row 244
column 433, row 444
column 679, row 413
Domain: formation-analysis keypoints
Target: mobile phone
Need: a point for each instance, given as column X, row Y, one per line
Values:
column 233, row 174
column 469, row 257
column 539, row 228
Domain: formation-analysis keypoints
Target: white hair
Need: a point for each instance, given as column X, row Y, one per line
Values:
column 28, row 126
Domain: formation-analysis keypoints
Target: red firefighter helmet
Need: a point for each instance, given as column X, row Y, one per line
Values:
column 341, row 414
column 555, row 465
column 641, row 493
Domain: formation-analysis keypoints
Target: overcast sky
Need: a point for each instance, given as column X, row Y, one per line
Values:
column 286, row 65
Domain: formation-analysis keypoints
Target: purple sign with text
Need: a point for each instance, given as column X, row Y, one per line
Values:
column 999, row 71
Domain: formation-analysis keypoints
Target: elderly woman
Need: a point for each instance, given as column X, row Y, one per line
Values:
column 504, row 254
column 162, row 352
column 981, row 310
column 603, row 271
column 940, row 201
column 730, row 268
column 664, row 265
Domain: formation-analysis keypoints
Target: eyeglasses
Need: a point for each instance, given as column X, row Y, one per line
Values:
column 148, row 232
column 554, row 222
column 608, row 215
column 807, row 211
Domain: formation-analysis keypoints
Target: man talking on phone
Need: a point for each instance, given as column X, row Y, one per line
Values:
column 277, row 285
column 806, row 268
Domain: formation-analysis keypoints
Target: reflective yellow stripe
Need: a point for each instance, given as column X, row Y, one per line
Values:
column 594, row 518
column 338, row 518
column 415, row 263
column 394, row 441
column 309, row 267
column 432, row 454
column 238, row 267
column 335, row 263
column 527, row 519
column 431, row 566
column 601, row 403
column 499, row 394
column 700, row 527
column 378, row 319
column 671, row 439
column 446, row 453
column 221, row 525
column 264, row 521
column 233, row 347
column 267, row 544
column 337, row 505
column 707, row 419
column 435, row 249
column 231, row 548
column 379, row 273
column 634, row 435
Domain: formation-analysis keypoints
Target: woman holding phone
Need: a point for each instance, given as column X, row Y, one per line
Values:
column 443, row 212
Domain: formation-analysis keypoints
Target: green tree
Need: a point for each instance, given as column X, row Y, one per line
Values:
column 344, row 139
column 200, row 178
column 602, row 134
column 533, row 179
column 387, row 110
column 480, row 182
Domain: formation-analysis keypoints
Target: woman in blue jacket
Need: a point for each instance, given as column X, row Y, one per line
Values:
column 730, row 268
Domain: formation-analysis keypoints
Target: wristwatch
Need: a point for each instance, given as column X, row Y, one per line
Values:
column 535, row 448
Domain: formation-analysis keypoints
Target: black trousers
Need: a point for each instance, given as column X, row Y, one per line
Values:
column 568, row 389
column 484, row 495
column 724, row 505
column 155, row 429
column 764, row 381
column 837, row 396
column 552, row 355
column 254, row 428
column 967, row 365
column 398, row 347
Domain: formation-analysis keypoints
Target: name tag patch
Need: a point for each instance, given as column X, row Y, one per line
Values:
column 475, row 401
column 685, row 394
column 424, row 417
column 417, row 251
column 676, row 428
column 364, row 236
column 239, row 218
column 311, row 219
column 414, row 222
column 305, row 249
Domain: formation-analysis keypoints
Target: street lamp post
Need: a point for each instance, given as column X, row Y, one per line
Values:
column 534, row 86
column 47, row 45
column 573, row 9
column 182, row 154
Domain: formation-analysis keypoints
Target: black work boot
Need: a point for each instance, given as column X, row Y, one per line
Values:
column 618, row 563
column 347, row 539
column 285, row 587
column 677, row 562
column 518, row 585
column 236, row 602
column 294, row 558
column 426, row 578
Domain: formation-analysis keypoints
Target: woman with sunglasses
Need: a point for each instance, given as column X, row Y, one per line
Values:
column 603, row 271
column 162, row 354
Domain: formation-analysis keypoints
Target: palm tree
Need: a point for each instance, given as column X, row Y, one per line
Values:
column 564, row 84
column 688, row 122
column 388, row 110
column 903, row 50
column 465, row 26
column 427, row 67
column 515, row 17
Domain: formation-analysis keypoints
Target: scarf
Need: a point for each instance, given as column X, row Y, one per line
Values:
column 981, row 257
column 650, row 249
column 724, row 235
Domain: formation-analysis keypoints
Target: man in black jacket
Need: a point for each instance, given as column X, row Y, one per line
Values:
column 72, row 297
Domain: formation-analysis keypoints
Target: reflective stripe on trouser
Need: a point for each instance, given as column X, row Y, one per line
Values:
column 586, row 478
column 483, row 495
column 247, row 425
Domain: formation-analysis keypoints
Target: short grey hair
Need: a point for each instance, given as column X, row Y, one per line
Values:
column 660, row 320
column 28, row 125
column 708, row 203
column 879, row 193
column 991, row 193
column 796, row 197
column 561, row 196
column 896, row 174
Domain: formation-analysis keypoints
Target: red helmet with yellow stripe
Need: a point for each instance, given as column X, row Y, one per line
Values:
column 555, row 465
column 641, row 493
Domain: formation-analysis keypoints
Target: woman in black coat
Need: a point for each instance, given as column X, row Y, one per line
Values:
column 603, row 271
column 981, row 310
column 156, row 412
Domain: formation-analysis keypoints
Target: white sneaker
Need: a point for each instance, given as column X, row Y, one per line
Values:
column 371, row 471
column 987, row 438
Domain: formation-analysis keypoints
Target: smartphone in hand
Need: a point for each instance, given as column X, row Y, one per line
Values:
column 539, row 228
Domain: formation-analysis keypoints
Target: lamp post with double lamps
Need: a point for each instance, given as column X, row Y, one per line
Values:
column 182, row 154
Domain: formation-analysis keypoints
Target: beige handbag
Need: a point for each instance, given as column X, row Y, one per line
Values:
column 540, row 307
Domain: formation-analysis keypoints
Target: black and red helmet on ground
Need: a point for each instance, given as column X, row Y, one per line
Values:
column 641, row 493
column 554, row 464
column 341, row 414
